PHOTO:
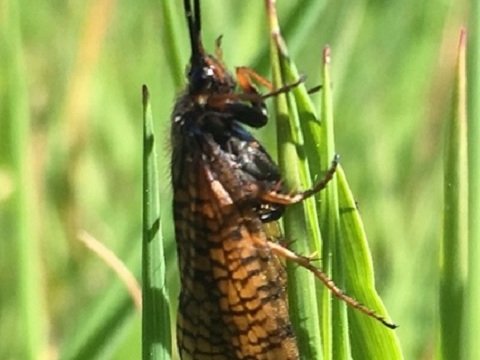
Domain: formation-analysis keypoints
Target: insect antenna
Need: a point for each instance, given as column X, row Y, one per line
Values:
column 194, row 28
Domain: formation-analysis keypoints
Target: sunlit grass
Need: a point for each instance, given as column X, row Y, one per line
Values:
column 391, row 81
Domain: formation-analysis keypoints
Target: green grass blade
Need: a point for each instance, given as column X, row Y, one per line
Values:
column 156, row 336
column 345, row 252
column 352, row 266
column 329, row 219
column 369, row 339
column 453, row 260
column 30, row 301
column 472, row 315
column 298, row 229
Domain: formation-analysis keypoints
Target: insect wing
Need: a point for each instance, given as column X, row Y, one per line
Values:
column 232, row 302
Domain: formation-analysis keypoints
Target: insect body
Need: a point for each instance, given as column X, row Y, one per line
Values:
column 232, row 301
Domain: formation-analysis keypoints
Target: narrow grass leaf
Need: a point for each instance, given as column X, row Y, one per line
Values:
column 303, row 300
column 472, row 315
column 30, row 295
column 344, row 249
column 369, row 338
column 156, row 335
column 453, row 256
column 329, row 218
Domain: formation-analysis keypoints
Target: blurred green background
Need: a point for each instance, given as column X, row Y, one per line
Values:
column 71, row 132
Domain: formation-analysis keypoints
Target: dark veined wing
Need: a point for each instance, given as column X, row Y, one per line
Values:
column 232, row 302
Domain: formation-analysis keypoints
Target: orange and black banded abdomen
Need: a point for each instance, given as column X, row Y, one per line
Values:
column 232, row 301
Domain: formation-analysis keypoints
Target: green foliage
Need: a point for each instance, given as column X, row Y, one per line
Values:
column 306, row 143
column 156, row 337
column 71, row 150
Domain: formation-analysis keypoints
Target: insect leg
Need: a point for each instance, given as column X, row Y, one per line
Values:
column 306, row 263
column 288, row 199
column 245, row 76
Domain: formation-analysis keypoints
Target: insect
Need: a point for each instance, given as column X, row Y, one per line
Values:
column 232, row 301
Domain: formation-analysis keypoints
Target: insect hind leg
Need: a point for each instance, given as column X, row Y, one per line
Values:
column 329, row 283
